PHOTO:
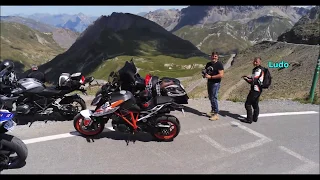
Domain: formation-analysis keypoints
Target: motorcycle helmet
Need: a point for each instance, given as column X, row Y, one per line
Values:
column 7, row 64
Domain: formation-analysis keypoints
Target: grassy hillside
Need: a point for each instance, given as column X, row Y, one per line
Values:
column 157, row 65
column 26, row 46
column 291, row 83
column 63, row 37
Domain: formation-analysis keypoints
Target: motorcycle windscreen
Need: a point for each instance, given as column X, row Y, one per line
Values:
column 96, row 100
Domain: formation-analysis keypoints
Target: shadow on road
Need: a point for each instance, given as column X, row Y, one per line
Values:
column 116, row 135
column 25, row 119
column 193, row 111
column 229, row 114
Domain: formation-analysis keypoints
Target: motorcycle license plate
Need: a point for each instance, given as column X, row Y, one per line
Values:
column 9, row 125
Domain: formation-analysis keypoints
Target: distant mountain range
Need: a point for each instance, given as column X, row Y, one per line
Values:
column 228, row 28
column 77, row 22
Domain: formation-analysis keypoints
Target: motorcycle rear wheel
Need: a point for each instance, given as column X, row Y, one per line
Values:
column 81, row 102
column 163, row 134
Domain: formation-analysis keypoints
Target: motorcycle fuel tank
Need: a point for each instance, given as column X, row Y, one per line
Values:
column 121, row 95
column 31, row 85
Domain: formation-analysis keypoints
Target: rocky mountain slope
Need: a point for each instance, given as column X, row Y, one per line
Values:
column 306, row 30
column 199, row 15
column 77, row 22
column 64, row 37
column 165, row 18
column 26, row 46
column 232, row 36
column 115, row 35
column 247, row 24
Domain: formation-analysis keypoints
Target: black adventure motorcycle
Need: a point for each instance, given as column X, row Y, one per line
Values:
column 13, row 151
column 129, row 79
column 36, row 98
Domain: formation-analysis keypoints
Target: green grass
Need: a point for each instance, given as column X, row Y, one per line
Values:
column 154, row 65
column 306, row 99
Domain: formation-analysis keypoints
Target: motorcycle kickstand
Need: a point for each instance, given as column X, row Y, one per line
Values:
column 128, row 139
column 31, row 122
column 131, row 137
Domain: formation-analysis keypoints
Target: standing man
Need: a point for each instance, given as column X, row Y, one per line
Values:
column 214, row 72
column 256, row 81
column 37, row 74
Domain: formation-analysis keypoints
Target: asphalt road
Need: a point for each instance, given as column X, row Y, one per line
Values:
column 276, row 144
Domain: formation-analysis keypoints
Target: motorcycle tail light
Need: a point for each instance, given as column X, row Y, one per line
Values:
column 82, row 79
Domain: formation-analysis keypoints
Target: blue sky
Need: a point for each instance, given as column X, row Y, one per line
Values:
column 88, row 10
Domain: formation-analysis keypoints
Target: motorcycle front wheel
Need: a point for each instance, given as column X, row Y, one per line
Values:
column 82, row 126
column 14, row 145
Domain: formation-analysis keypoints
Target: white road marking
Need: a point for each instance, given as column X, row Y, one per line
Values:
column 250, row 130
column 214, row 143
column 110, row 128
column 247, row 146
column 48, row 138
column 294, row 154
column 53, row 137
column 285, row 113
column 199, row 130
column 305, row 168
column 263, row 139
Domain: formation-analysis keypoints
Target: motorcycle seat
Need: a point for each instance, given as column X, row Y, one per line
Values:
column 49, row 91
column 163, row 99
column 134, row 108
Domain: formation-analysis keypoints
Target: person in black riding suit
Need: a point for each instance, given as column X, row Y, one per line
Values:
column 37, row 74
column 256, row 81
